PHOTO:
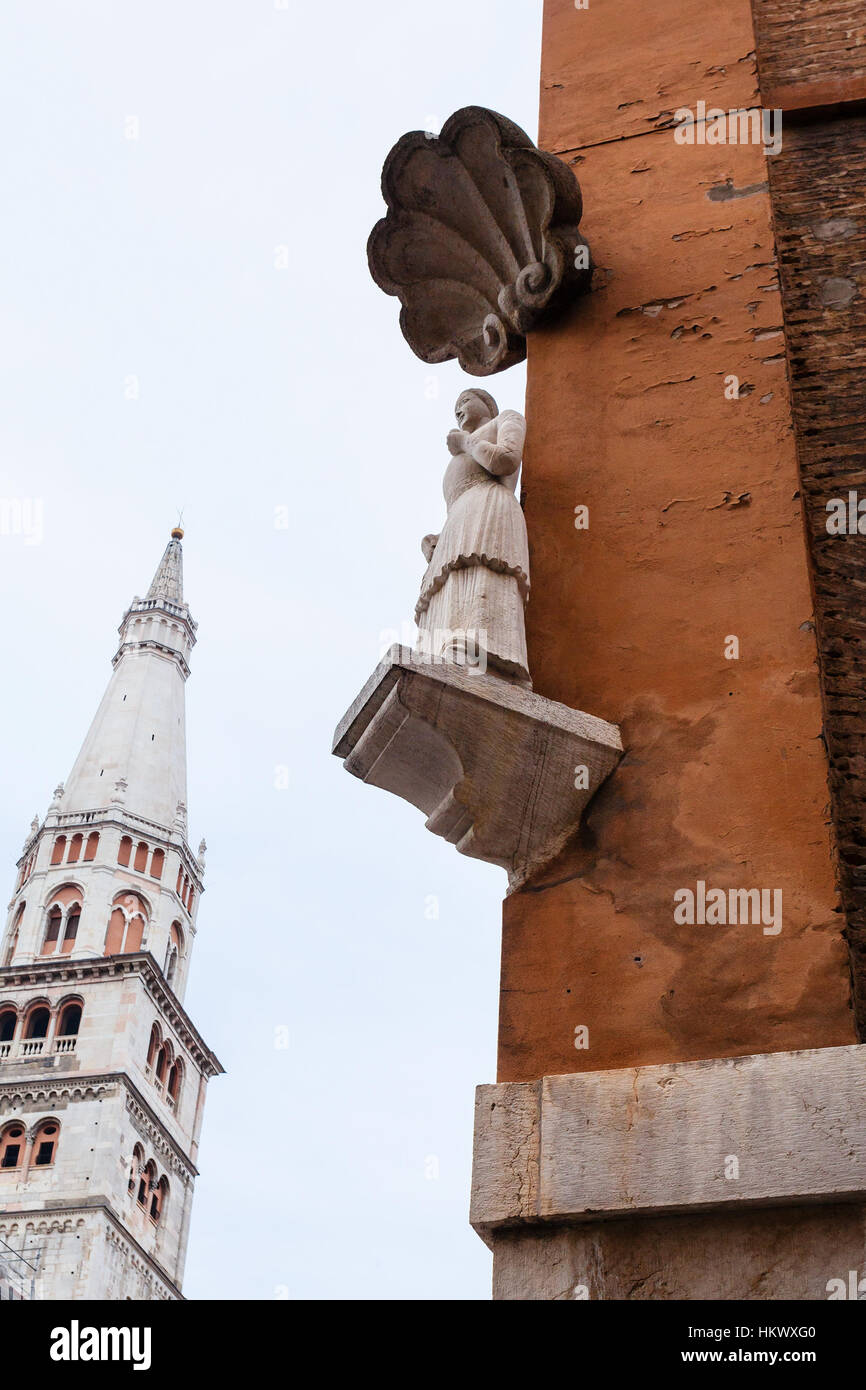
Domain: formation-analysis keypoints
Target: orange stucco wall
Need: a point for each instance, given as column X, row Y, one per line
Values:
column 695, row 535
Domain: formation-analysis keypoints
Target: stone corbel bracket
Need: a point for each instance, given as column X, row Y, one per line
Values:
column 653, row 1141
column 481, row 243
column 494, row 767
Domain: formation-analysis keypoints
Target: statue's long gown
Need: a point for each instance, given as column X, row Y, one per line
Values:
column 477, row 581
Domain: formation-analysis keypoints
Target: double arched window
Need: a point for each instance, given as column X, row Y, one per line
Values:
column 126, row 926
column 39, row 1150
column 62, row 917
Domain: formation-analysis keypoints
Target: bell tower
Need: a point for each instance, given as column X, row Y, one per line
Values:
column 102, row 1072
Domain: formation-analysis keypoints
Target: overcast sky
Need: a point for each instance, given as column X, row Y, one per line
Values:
column 160, row 163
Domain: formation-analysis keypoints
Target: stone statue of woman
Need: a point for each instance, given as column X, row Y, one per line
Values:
column 471, row 606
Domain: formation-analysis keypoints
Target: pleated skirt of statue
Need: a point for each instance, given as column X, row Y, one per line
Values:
column 476, row 618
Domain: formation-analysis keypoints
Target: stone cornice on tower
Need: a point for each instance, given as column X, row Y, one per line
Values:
column 115, row 1231
column 62, row 970
column 46, row 1092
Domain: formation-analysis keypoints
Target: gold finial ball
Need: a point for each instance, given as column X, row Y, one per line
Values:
column 177, row 533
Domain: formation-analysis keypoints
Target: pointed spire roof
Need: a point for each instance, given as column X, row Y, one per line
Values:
column 167, row 583
column 134, row 755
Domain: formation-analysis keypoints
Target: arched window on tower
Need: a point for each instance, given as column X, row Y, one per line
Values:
column 124, row 851
column 174, row 952
column 8, row 1023
column 45, row 1144
column 146, row 1180
column 52, row 931
column 158, row 1199
column 70, row 931
column 126, row 925
column 70, row 1020
column 135, row 1168
column 36, row 1026
column 175, row 1082
column 12, row 945
column 61, row 924
column 26, row 871
column 153, row 1048
column 141, row 857
column 58, row 850
column 38, row 1020
column 75, row 849
column 92, row 845
column 156, row 863
column 12, row 1141
column 163, row 1063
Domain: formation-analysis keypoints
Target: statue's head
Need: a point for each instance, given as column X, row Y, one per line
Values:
column 474, row 408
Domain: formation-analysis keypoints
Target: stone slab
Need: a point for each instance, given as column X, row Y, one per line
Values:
column 777, row 1128
column 801, row 1253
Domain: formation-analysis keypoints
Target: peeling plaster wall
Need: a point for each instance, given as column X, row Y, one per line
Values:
column 695, row 534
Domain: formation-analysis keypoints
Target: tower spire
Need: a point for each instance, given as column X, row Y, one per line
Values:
column 167, row 582
column 134, row 754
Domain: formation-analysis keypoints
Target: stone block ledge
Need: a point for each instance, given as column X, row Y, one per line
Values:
column 772, row 1129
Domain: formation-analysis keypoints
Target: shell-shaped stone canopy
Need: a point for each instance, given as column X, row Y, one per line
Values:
column 480, row 242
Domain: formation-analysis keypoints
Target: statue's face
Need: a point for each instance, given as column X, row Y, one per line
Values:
column 471, row 411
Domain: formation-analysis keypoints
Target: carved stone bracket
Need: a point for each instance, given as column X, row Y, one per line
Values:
column 481, row 242
column 500, row 772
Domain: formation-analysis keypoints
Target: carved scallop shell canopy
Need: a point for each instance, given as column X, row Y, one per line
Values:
column 480, row 240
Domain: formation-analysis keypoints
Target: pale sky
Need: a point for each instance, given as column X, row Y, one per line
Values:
column 159, row 162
